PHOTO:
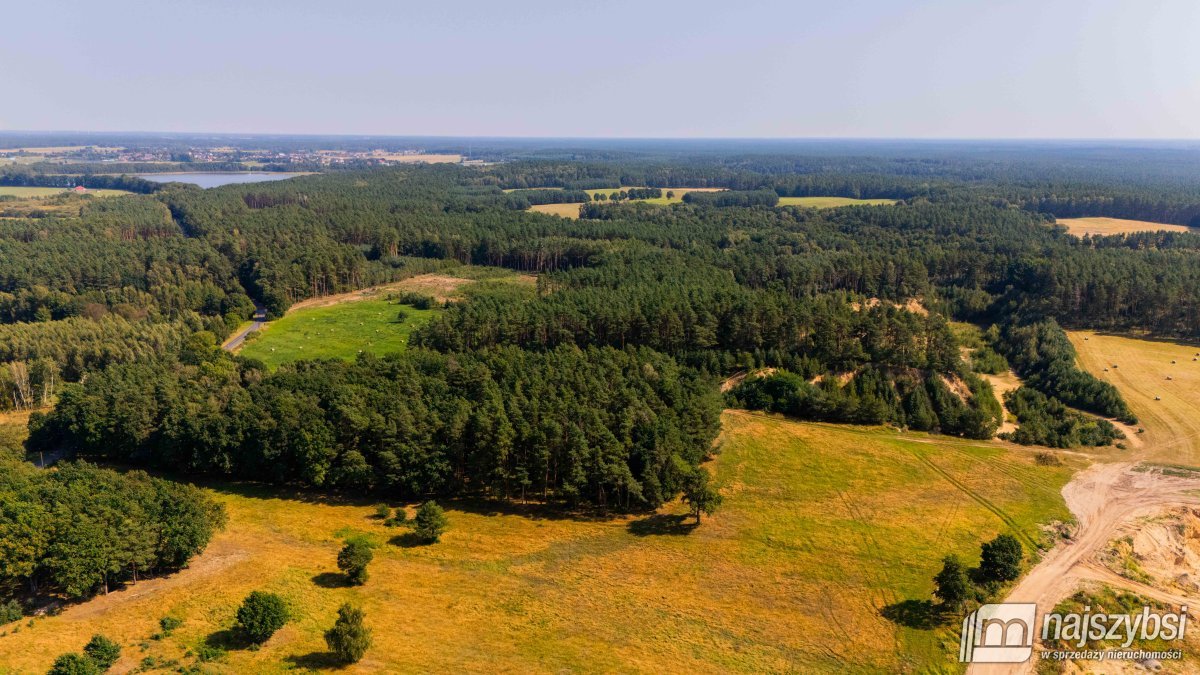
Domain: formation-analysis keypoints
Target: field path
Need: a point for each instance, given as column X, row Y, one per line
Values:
column 1160, row 381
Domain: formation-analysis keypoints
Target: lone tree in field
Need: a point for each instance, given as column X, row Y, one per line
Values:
column 349, row 639
column 102, row 652
column 74, row 664
column 260, row 615
column 1001, row 559
column 353, row 560
column 699, row 494
column 430, row 522
column 952, row 586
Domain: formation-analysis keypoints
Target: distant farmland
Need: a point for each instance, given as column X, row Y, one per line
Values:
column 832, row 202
column 1082, row 226
column 16, row 191
column 563, row 210
column 572, row 210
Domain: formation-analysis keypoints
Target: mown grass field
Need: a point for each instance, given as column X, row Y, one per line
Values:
column 340, row 326
column 823, row 528
column 1082, row 226
column 18, row 191
column 1140, row 368
column 832, row 202
column 338, row 331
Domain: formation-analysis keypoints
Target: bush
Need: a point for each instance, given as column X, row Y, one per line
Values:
column 349, row 639
column 102, row 651
column 260, row 615
column 10, row 611
column 73, row 664
column 417, row 300
column 383, row 511
column 430, row 522
column 1047, row 459
column 169, row 623
column 209, row 653
column 400, row 518
column 353, row 560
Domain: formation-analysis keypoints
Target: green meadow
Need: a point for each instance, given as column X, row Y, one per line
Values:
column 338, row 331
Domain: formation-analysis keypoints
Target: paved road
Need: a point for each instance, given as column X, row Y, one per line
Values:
column 260, row 320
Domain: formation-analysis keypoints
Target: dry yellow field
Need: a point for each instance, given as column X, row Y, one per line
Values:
column 832, row 202
column 1082, row 226
column 570, row 210
column 28, row 192
column 826, row 531
column 1140, row 368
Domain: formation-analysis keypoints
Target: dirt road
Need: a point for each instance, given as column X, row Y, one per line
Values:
column 260, row 320
column 1109, row 495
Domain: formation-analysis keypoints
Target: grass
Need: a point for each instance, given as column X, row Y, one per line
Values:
column 18, row 191
column 1082, row 226
column 832, row 202
column 338, row 331
column 1172, row 423
column 824, row 530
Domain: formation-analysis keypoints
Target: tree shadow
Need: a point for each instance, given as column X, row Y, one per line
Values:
column 919, row 614
column 408, row 540
column 662, row 523
column 315, row 661
column 530, row 510
column 227, row 639
column 331, row 580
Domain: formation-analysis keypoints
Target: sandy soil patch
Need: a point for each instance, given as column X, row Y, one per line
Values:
column 442, row 287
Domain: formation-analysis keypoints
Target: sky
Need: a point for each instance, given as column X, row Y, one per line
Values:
column 534, row 68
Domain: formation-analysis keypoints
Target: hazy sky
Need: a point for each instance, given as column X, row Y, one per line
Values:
column 792, row 68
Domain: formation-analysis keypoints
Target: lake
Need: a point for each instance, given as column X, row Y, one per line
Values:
column 211, row 179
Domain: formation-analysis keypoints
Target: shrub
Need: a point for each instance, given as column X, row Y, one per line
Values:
column 430, row 522
column 209, row 653
column 349, row 639
column 102, row 651
column 169, row 623
column 260, row 615
column 400, row 518
column 383, row 511
column 73, row 664
column 417, row 300
column 353, row 560
column 10, row 611
column 1047, row 459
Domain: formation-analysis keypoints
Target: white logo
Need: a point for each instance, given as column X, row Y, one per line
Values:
column 1000, row 633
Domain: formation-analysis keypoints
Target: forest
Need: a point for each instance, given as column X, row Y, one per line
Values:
column 602, row 389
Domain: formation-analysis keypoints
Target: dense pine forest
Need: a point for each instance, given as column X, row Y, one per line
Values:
column 603, row 388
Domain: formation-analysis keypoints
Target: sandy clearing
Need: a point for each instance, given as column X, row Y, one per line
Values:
column 1001, row 385
column 441, row 286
